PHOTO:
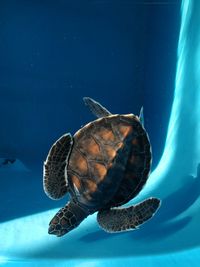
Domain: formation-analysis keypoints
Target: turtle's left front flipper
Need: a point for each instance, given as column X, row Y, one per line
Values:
column 123, row 219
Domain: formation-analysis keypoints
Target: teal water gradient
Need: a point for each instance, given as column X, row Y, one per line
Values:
column 172, row 237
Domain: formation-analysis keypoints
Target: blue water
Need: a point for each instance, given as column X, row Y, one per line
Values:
column 43, row 100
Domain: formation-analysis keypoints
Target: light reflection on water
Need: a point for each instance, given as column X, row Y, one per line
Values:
column 174, row 228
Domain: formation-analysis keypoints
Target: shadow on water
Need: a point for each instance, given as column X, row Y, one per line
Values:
column 172, row 206
column 22, row 184
column 150, row 239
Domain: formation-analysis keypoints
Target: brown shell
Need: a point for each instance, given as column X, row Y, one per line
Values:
column 110, row 161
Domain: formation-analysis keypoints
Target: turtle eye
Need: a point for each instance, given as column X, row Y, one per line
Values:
column 58, row 227
column 55, row 229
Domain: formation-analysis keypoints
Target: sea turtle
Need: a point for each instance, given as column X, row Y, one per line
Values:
column 103, row 166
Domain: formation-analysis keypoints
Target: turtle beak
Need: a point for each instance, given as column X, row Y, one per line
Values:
column 58, row 232
column 51, row 230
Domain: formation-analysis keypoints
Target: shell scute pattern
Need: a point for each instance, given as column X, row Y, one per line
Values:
column 137, row 168
column 97, row 145
column 94, row 152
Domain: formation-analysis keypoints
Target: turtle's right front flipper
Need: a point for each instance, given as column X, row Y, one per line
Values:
column 55, row 177
column 123, row 219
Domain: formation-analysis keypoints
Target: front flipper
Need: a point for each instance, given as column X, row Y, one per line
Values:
column 97, row 109
column 54, row 177
column 123, row 219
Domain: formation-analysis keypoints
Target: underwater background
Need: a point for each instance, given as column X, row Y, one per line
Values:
column 124, row 54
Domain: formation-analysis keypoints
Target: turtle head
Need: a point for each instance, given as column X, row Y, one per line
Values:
column 55, row 226
column 66, row 219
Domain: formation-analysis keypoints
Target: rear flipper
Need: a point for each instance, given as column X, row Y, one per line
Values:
column 118, row 220
column 96, row 108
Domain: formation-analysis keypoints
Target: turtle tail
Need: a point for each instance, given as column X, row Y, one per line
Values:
column 66, row 219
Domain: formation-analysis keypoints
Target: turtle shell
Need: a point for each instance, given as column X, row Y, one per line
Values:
column 109, row 163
